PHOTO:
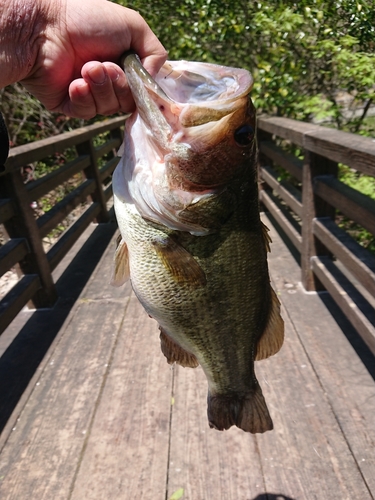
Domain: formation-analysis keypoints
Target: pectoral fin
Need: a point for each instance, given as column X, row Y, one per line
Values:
column 121, row 272
column 179, row 262
column 273, row 336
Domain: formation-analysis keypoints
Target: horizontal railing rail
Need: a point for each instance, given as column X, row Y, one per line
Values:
column 304, row 195
column 91, row 159
column 303, row 198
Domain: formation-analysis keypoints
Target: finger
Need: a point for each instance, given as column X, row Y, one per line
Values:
column 80, row 103
column 96, row 76
column 120, row 87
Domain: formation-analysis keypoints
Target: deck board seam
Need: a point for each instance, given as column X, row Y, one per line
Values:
column 173, row 387
column 327, row 399
column 99, row 397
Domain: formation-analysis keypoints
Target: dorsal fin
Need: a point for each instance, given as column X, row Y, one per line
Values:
column 266, row 237
column 121, row 271
column 273, row 336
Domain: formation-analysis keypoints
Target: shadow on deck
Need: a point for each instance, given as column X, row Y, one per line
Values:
column 105, row 417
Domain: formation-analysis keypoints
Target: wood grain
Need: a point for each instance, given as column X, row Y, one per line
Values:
column 204, row 462
column 346, row 383
column 127, row 451
column 42, row 453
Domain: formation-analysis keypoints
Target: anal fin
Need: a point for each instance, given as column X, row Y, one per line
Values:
column 273, row 336
column 174, row 353
column 249, row 412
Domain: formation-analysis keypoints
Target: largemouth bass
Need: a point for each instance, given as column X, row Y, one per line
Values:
column 192, row 242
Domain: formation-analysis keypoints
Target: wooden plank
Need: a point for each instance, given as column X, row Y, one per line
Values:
column 35, row 151
column 92, row 172
column 353, row 150
column 62, row 209
column 30, row 335
column 307, row 442
column 355, row 307
column 23, row 225
column 67, row 240
column 126, row 455
column 284, row 190
column 6, row 210
column 17, row 298
column 108, row 168
column 12, row 252
column 313, row 206
column 41, row 455
column 47, row 183
column 349, row 201
column 285, row 160
column 280, row 217
column 359, row 261
column 109, row 146
column 348, row 385
column 204, row 462
column 286, row 128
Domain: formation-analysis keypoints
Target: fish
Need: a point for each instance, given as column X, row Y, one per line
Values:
column 191, row 239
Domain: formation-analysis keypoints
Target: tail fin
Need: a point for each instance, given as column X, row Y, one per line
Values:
column 248, row 412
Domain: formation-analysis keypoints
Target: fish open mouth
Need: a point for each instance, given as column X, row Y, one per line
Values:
column 193, row 93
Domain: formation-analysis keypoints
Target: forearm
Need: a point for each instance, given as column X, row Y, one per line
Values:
column 22, row 26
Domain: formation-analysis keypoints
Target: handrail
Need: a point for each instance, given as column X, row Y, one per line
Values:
column 305, row 207
column 26, row 229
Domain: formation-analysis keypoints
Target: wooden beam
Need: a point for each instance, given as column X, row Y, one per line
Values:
column 359, row 261
column 355, row 307
column 313, row 207
column 285, row 160
column 349, row 201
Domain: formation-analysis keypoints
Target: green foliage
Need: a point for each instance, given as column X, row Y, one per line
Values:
column 304, row 56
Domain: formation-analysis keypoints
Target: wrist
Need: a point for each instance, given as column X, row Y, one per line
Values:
column 22, row 27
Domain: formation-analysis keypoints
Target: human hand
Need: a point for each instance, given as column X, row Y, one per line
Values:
column 75, row 70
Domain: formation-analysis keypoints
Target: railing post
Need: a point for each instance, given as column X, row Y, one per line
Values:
column 312, row 207
column 92, row 172
column 23, row 225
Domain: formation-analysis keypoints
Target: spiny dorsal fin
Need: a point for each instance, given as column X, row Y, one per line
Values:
column 121, row 272
column 266, row 237
column 273, row 336
column 179, row 262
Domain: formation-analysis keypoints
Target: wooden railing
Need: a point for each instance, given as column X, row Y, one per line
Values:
column 305, row 205
column 92, row 152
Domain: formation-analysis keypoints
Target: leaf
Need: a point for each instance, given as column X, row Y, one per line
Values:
column 177, row 494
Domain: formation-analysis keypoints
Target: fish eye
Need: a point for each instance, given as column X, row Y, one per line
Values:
column 244, row 135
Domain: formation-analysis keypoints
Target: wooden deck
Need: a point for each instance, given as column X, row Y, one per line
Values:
column 105, row 417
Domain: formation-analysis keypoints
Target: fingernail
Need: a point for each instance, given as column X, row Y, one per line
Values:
column 97, row 75
column 83, row 90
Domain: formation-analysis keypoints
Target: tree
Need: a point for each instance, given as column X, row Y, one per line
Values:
column 305, row 56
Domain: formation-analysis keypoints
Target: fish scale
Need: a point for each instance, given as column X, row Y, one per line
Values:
column 207, row 284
